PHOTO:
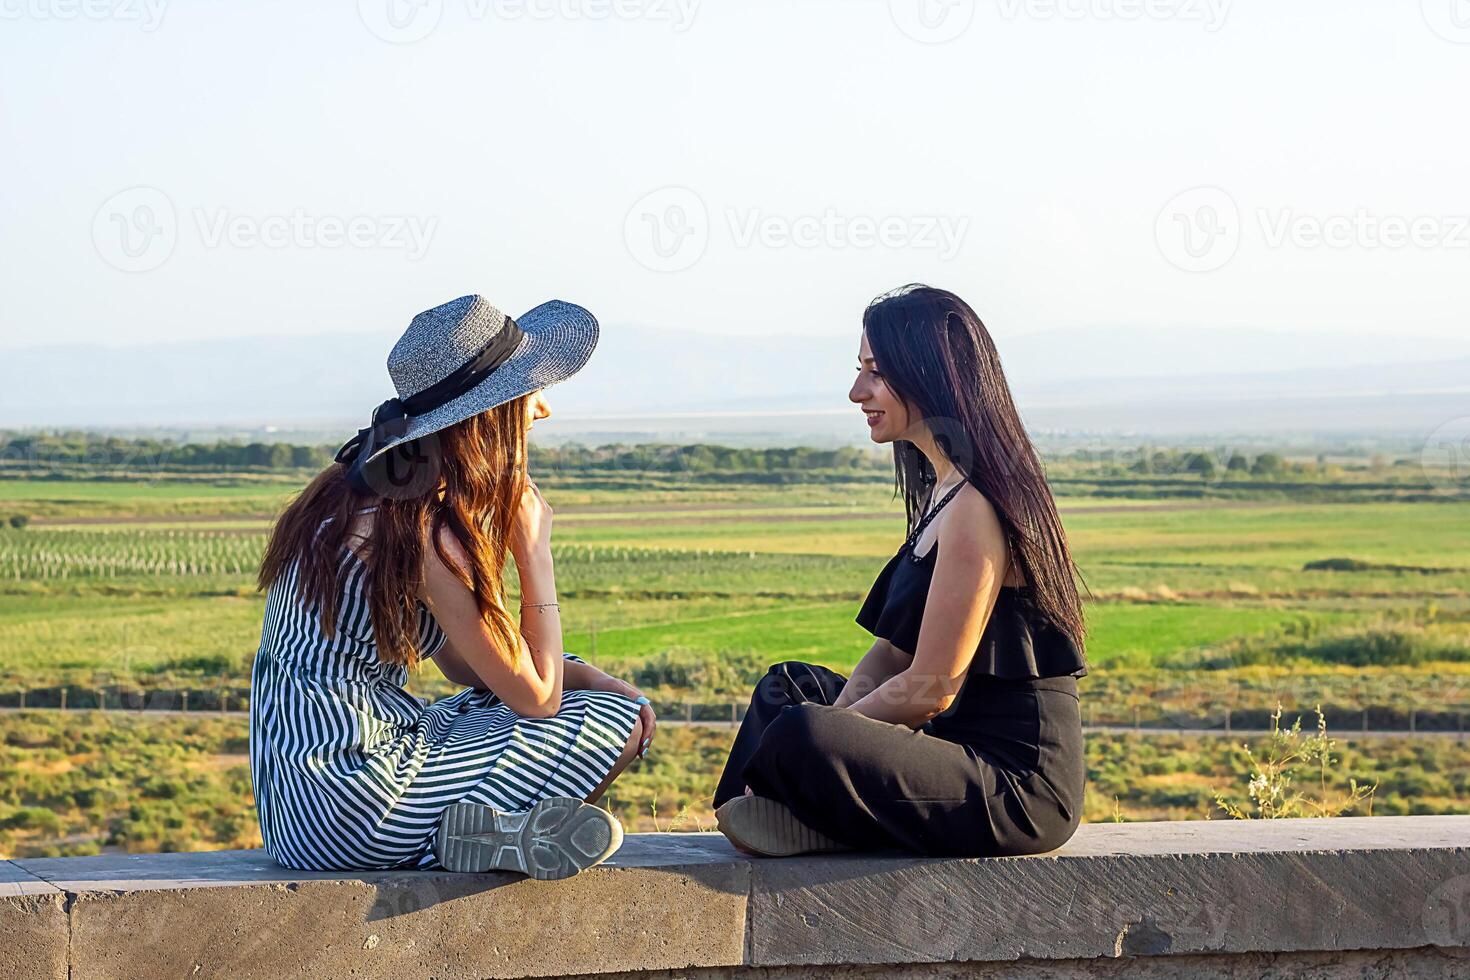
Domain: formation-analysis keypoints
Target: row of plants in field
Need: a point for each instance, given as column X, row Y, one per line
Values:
column 38, row 554
column 43, row 555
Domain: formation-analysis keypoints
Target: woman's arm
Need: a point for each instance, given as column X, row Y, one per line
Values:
column 540, row 614
column 967, row 578
column 881, row 662
column 453, row 667
column 529, row 678
column 577, row 675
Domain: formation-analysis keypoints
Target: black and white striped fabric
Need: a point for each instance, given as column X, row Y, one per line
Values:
column 350, row 771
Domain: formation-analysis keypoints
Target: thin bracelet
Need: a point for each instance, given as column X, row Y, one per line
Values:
column 537, row 605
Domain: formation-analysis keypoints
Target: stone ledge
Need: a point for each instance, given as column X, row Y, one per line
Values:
column 670, row 902
column 33, row 919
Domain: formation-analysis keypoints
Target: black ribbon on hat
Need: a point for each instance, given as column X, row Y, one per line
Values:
column 390, row 419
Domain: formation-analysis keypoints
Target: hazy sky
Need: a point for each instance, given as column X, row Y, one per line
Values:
column 192, row 169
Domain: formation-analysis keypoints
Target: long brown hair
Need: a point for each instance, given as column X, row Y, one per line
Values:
column 936, row 355
column 481, row 465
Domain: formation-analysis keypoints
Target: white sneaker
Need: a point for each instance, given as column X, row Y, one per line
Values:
column 555, row 838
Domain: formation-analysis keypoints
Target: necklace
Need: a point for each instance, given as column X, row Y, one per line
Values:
column 913, row 538
column 934, row 494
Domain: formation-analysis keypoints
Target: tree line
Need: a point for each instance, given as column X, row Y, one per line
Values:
column 82, row 450
column 73, row 453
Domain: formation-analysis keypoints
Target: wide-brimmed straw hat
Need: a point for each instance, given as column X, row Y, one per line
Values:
column 456, row 361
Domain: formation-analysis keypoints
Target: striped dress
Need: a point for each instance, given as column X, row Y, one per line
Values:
column 350, row 771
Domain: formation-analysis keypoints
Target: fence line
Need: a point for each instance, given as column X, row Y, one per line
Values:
column 1380, row 720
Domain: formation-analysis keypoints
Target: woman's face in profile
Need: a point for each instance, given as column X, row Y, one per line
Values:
column 888, row 417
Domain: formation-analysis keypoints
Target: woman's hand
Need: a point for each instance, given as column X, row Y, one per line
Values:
column 530, row 532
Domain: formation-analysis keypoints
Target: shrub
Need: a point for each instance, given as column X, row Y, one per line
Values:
column 1272, row 777
column 730, row 675
column 1268, row 464
column 1384, row 648
column 31, row 818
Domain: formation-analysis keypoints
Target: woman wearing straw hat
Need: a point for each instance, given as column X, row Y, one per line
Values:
column 394, row 555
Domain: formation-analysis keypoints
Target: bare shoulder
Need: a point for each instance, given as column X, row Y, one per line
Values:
column 972, row 527
column 453, row 549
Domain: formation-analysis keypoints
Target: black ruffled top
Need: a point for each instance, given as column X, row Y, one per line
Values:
column 1018, row 642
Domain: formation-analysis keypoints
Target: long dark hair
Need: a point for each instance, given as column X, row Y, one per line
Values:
column 939, row 359
column 482, row 462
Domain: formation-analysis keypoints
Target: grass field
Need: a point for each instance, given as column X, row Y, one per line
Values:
column 1167, row 578
column 1196, row 604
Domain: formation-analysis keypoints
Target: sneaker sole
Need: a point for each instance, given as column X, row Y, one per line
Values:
column 769, row 827
column 556, row 838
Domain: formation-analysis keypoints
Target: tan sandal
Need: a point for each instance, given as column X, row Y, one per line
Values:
column 767, row 827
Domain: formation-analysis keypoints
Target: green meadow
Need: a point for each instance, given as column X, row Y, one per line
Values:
column 747, row 576
column 1200, row 599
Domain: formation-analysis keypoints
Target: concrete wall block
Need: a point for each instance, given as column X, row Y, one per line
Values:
column 417, row 925
column 1216, row 886
column 1384, row 896
column 33, row 920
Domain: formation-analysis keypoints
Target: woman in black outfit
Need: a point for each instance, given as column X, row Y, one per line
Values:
column 958, row 732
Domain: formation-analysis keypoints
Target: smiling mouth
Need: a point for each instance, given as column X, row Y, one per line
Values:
column 873, row 416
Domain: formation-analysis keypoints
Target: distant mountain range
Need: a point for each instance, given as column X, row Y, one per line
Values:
column 649, row 383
